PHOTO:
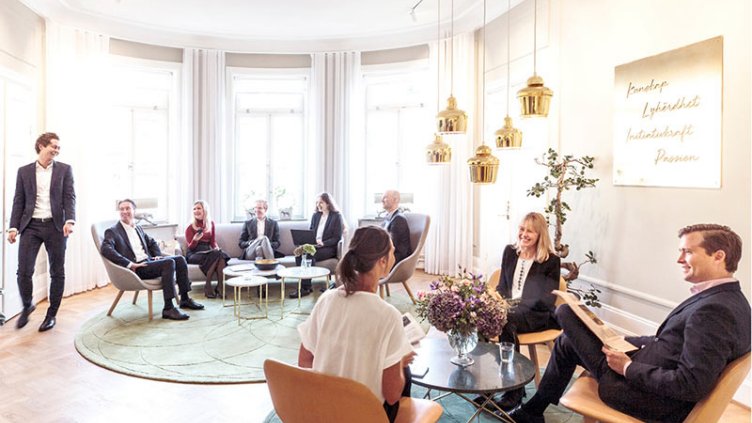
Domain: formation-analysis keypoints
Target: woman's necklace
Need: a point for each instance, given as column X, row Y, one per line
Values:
column 523, row 263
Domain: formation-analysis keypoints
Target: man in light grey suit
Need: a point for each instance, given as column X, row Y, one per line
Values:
column 44, row 212
column 260, row 236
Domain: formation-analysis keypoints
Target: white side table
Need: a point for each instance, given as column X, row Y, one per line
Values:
column 242, row 270
column 250, row 281
column 300, row 273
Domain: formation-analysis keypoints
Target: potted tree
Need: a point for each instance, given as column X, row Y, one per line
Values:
column 564, row 173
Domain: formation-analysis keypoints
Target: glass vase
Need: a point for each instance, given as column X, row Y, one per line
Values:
column 462, row 343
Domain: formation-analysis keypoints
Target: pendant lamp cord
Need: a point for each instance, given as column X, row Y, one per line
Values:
column 509, row 47
column 535, row 36
column 438, row 58
column 483, row 82
column 451, row 72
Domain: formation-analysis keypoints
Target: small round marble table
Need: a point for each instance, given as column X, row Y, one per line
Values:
column 486, row 377
column 242, row 270
column 301, row 273
column 249, row 281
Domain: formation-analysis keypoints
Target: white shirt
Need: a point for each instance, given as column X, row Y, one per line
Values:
column 42, row 204
column 135, row 240
column 320, row 228
column 260, row 228
column 520, row 276
column 356, row 337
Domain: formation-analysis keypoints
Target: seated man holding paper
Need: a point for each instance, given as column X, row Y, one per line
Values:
column 671, row 371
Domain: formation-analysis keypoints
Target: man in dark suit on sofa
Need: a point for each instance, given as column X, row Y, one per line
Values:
column 260, row 236
column 671, row 371
column 44, row 212
column 396, row 224
column 127, row 245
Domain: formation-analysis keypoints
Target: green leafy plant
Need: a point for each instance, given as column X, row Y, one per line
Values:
column 309, row 249
column 566, row 172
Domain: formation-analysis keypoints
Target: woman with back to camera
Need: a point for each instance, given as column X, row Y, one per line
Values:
column 529, row 272
column 203, row 249
column 351, row 326
column 326, row 223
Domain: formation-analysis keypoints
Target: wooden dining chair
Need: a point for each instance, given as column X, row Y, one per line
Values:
column 582, row 397
column 297, row 398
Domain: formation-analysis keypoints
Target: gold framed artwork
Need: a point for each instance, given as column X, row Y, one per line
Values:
column 667, row 118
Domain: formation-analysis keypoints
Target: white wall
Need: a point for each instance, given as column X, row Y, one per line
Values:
column 633, row 230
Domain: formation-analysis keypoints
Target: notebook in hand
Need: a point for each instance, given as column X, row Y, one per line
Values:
column 303, row 236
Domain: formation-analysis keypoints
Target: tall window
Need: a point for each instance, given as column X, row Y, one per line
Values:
column 144, row 127
column 398, row 129
column 268, row 135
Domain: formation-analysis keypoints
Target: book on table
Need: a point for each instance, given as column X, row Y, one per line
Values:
column 608, row 336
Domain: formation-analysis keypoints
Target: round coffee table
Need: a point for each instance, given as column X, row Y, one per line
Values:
column 243, row 270
column 486, row 377
column 301, row 273
column 249, row 281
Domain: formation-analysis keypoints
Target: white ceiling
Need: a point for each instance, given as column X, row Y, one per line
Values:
column 269, row 26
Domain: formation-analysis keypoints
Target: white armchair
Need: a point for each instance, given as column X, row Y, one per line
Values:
column 418, row 224
column 123, row 278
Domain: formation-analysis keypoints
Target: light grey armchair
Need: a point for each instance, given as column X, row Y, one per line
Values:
column 418, row 224
column 123, row 278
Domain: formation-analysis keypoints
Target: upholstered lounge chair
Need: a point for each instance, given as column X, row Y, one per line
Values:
column 418, row 224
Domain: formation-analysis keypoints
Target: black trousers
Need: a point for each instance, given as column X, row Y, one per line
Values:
column 32, row 238
column 169, row 269
column 393, row 409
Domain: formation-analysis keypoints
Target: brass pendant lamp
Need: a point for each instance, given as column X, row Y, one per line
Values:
column 451, row 120
column 438, row 152
column 535, row 99
column 508, row 137
column 484, row 166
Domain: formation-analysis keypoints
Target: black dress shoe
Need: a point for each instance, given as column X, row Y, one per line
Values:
column 23, row 319
column 521, row 416
column 303, row 293
column 511, row 399
column 174, row 314
column 47, row 324
column 190, row 304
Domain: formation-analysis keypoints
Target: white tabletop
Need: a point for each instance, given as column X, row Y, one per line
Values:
column 247, row 281
column 303, row 272
column 249, row 269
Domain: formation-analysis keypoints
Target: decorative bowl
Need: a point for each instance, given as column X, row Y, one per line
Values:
column 266, row 264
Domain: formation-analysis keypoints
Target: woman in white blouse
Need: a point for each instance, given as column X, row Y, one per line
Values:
column 352, row 332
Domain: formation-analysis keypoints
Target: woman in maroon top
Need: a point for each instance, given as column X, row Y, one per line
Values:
column 203, row 249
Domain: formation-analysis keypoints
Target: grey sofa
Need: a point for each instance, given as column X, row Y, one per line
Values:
column 228, row 235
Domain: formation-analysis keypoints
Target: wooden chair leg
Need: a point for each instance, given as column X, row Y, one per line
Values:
column 381, row 291
column 534, row 358
column 114, row 303
column 410, row 293
column 135, row 297
column 151, row 312
column 388, row 294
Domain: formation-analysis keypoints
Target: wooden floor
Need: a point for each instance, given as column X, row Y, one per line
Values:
column 43, row 379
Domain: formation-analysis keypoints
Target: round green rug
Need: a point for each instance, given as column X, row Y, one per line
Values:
column 210, row 347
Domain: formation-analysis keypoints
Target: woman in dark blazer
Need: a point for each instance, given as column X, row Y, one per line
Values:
column 328, row 236
column 529, row 272
column 326, row 223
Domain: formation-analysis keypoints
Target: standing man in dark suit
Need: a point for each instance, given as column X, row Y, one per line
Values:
column 127, row 245
column 673, row 370
column 396, row 224
column 44, row 212
column 260, row 236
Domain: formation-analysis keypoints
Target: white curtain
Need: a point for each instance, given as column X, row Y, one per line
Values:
column 76, row 110
column 449, row 244
column 336, row 101
column 205, row 78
